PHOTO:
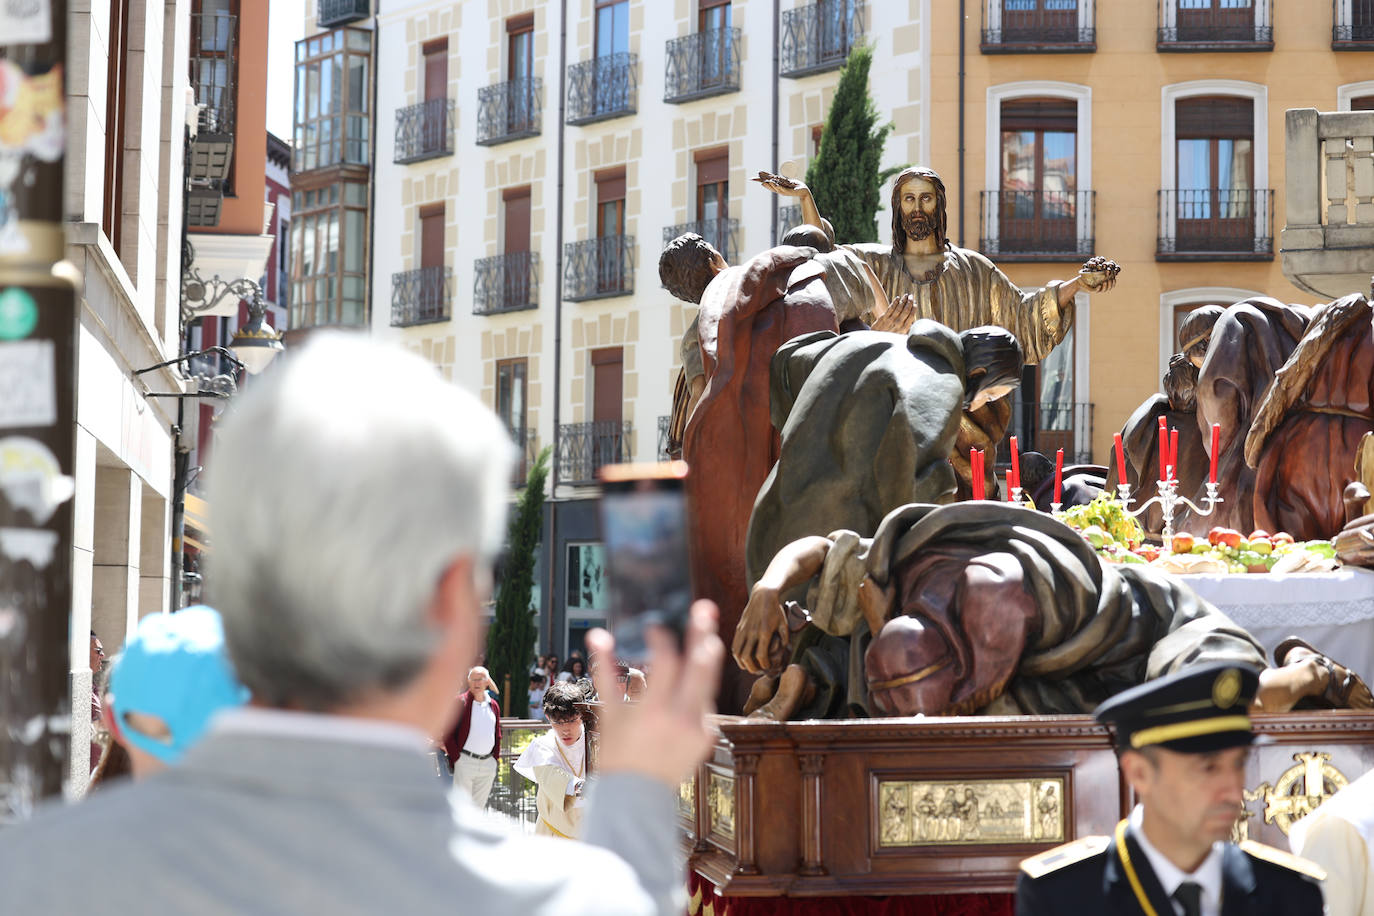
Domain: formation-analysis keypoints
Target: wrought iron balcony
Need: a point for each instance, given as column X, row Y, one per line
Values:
column 721, row 233
column 330, row 13
column 702, row 65
column 506, row 283
column 603, row 87
column 1036, row 225
column 214, row 66
column 1185, row 25
column 598, row 268
column 1053, row 26
column 421, row 296
column 665, row 428
column 1047, row 426
column 424, row 131
column 509, row 111
column 788, row 218
column 585, row 448
column 817, row 37
column 1352, row 25
column 1214, row 224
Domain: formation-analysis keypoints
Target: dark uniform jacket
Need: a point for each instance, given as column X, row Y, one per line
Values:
column 1088, row 876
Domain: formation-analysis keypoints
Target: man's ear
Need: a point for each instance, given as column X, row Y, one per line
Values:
column 1137, row 770
column 457, row 593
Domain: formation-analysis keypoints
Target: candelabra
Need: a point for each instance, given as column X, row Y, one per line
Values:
column 1168, row 499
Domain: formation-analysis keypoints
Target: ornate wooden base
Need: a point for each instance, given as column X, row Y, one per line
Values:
column 951, row 806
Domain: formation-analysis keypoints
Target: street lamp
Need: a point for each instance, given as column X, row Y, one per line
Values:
column 256, row 343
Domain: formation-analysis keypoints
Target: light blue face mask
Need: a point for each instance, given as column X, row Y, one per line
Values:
column 175, row 668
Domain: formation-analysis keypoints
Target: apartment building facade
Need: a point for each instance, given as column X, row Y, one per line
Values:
column 532, row 160
column 1150, row 133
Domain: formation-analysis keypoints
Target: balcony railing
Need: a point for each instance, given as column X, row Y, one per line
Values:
column 721, row 233
column 330, row 13
column 701, row 65
column 424, row 131
column 788, row 218
column 1047, row 426
column 818, row 36
column 421, row 296
column 1056, row 26
column 598, row 268
column 1328, row 240
column 1214, row 224
column 584, row 448
column 1352, row 25
column 1215, row 25
column 1036, row 225
column 665, row 426
column 509, row 111
column 603, row 87
column 506, row 283
column 214, row 65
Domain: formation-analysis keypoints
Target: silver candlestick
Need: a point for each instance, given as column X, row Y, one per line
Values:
column 1168, row 499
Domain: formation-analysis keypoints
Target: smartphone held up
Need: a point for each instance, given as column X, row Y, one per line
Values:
column 644, row 530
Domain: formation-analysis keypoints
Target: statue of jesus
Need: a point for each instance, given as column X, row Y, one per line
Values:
column 960, row 288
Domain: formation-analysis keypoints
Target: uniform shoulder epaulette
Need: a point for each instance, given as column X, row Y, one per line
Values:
column 1068, row 854
column 1283, row 859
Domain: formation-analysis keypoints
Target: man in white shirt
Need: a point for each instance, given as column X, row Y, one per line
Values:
column 475, row 742
column 1182, row 740
column 359, row 501
column 537, row 690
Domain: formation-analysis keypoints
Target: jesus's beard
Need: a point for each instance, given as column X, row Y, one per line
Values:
column 918, row 226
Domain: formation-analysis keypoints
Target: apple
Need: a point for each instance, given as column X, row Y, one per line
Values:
column 1214, row 536
column 1258, row 533
column 1262, row 546
column 1183, row 543
column 1283, row 537
column 1229, row 537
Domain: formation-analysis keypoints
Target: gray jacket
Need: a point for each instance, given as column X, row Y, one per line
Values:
column 259, row 823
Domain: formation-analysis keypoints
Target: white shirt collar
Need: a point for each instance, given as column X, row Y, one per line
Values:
column 1207, row 875
column 258, row 720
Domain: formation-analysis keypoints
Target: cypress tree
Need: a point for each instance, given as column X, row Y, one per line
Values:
column 513, row 634
column 844, row 176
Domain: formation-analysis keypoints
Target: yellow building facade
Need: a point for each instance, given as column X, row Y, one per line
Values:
column 1151, row 134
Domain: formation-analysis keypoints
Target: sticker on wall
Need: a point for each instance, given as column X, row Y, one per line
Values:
column 28, row 383
column 31, row 478
column 32, row 123
column 18, row 313
column 26, row 21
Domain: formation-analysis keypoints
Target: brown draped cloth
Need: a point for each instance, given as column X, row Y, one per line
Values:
column 1100, row 628
column 1307, row 430
column 747, row 313
column 1249, row 344
column 1140, row 442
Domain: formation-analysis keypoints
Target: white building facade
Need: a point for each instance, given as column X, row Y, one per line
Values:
column 524, row 191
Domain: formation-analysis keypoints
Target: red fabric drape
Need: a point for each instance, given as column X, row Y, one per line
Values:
column 704, row 902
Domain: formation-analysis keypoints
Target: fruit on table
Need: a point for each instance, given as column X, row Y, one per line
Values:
column 1228, row 537
column 1096, row 536
column 1183, row 543
column 1261, row 545
column 1283, row 537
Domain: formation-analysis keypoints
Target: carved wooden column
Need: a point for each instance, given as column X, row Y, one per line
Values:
column 702, row 805
column 813, row 855
column 746, row 836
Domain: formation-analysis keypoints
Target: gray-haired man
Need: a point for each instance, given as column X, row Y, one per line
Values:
column 359, row 500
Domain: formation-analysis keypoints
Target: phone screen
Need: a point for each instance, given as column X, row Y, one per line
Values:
column 644, row 529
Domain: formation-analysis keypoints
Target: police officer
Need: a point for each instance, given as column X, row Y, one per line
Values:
column 1182, row 741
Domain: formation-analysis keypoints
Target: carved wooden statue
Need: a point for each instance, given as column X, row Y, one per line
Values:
column 960, row 289
column 982, row 607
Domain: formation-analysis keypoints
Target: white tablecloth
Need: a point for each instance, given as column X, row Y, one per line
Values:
column 1333, row 611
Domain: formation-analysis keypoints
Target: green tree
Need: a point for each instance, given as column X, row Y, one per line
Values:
column 844, row 176
column 513, row 634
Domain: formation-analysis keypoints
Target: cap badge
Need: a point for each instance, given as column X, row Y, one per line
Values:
column 1226, row 688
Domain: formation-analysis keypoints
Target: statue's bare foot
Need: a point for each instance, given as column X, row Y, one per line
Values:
column 763, row 690
column 794, row 689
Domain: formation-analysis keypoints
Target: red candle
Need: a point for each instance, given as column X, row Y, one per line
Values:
column 1059, row 476
column 1163, row 449
column 1216, row 447
column 1173, row 451
column 1120, row 459
column 976, row 472
column 1014, row 480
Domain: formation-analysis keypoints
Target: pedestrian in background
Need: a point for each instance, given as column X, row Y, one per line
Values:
column 537, row 690
column 474, row 742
